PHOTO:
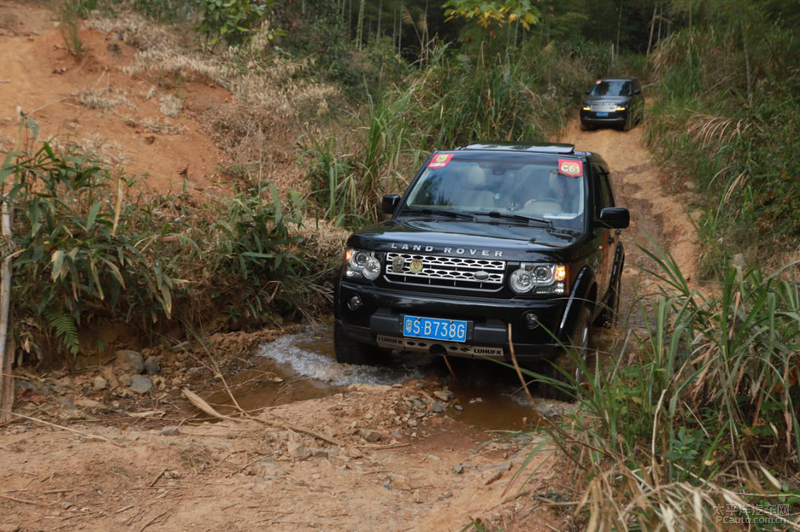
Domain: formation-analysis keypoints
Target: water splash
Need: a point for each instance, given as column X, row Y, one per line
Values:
column 315, row 360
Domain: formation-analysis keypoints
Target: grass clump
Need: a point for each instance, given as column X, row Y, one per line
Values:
column 698, row 419
column 726, row 114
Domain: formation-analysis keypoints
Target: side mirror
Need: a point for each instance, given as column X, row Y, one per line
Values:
column 616, row 217
column 637, row 91
column 390, row 203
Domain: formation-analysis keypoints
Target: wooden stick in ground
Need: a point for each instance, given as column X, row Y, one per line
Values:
column 519, row 371
column 450, row 369
column 197, row 401
column 7, row 388
column 79, row 432
column 6, row 213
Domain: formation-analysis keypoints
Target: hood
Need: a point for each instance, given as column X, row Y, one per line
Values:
column 608, row 99
column 469, row 239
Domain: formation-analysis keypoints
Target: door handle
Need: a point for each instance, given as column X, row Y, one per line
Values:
column 610, row 240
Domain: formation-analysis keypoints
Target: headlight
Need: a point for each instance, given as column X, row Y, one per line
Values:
column 587, row 107
column 621, row 108
column 539, row 279
column 361, row 264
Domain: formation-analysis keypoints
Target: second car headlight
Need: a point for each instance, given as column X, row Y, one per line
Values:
column 361, row 264
column 539, row 279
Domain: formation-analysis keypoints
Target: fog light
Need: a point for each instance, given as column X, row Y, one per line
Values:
column 531, row 320
column 354, row 303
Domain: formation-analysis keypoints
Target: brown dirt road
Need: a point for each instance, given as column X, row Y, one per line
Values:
column 656, row 214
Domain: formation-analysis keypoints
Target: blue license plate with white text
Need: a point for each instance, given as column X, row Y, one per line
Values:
column 435, row 329
column 602, row 114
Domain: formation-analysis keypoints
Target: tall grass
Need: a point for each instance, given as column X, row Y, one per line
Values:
column 700, row 415
column 453, row 101
column 725, row 117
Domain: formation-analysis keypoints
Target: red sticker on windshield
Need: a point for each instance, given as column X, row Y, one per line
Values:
column 440, row 160
column 570, row 167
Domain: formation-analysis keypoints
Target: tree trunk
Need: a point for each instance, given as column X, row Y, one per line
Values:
column 652, row 27
column 360, row 25
column 619, row 23
column 378, row 31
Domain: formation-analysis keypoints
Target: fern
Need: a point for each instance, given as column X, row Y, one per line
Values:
column 64, row 327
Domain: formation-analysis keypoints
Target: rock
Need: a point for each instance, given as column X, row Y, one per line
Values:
column 169, row 431
column 458, row 469
column 353, row 452
column 318, row 452
column 152, row 366
column 141, row 384
column 437, row 407
column 129, row 361
column 99, row 384
column 10, row 528
column 399, row 482
column 369, row 435
column 90, row 403
column 417, row 497
column 459, row 408
column 268, row 469
column 738, row 261
column 298, row 451
column 68, row 404
column 475, row 400
column 444, row 395
column 126, row 379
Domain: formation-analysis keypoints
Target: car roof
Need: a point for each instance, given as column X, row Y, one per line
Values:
column 617, row 79
column 544, row 148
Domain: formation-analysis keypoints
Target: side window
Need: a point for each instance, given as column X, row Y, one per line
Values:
column 602, row 190
column 609, row 196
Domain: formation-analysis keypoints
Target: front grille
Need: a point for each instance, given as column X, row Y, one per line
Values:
column 603, row 107
column 445, row 272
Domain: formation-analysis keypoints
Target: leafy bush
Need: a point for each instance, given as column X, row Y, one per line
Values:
column 87, row 251
column 72, row 231
column 231, row 20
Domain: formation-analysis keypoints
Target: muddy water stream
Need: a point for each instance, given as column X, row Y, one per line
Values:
column 301, row 366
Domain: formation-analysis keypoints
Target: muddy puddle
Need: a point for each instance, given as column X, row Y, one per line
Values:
column 297, row 367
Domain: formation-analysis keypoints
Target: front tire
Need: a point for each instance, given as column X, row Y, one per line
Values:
column 349, row 351
column 585, row 127
column 565, row 368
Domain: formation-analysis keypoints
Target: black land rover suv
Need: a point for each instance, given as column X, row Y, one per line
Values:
column 486, row 236
column 613, row 102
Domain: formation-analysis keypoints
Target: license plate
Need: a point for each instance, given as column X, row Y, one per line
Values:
column 602, row 114
column 435, row 329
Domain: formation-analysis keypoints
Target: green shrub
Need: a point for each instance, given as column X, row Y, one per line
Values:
column 231, row 20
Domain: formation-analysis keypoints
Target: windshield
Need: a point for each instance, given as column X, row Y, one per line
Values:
column 612, row 88
column 505, row 187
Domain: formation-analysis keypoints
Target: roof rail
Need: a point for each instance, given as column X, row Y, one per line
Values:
column 535, row 148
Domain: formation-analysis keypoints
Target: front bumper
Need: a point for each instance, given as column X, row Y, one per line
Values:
column 380, row 316
column 614, row 118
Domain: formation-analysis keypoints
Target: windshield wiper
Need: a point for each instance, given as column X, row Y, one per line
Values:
column 517, row 217
column 451, row 214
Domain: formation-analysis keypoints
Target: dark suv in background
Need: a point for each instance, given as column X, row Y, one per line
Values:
column 489, row 243
column 613, row 102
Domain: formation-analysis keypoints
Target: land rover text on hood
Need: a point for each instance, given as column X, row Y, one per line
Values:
column 490, row 243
